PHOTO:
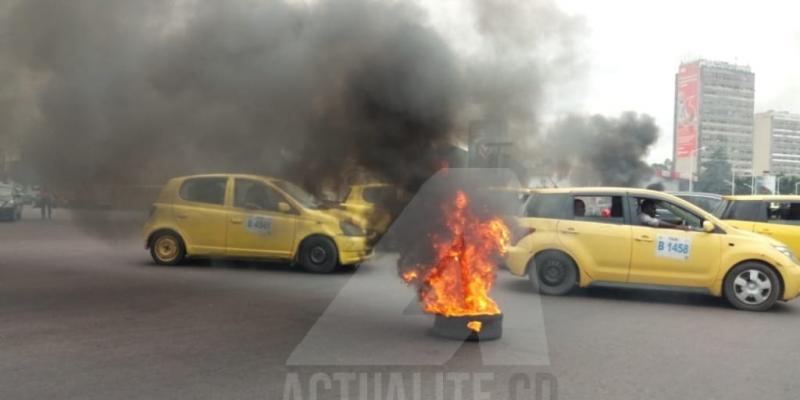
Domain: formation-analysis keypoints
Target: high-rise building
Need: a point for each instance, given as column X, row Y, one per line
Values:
column 714, row 105
column 776, row 143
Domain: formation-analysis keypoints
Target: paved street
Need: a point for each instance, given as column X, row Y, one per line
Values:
column 85, row 314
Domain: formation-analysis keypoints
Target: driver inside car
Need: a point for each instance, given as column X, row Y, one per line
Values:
column 647, row 216
column 257, row 198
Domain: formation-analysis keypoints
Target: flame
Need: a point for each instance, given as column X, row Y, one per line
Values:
column 410, row 276
column 460, row 281
column 475, row 326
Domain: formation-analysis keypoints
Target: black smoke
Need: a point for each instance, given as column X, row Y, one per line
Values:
column 598, row 150
column 134, row 92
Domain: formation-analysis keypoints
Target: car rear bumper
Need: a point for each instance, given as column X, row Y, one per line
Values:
column 517, row 259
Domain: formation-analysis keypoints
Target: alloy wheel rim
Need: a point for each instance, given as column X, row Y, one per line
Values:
column 166, row 248
column 752, row 287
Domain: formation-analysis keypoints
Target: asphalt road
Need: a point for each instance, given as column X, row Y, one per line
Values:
column 84, row 314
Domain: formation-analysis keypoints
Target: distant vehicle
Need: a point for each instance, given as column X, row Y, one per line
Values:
column 249, row 216
column 777, row 216
column 586, row 236
column 29, row 196
column 378, row 204
column 709, row 202
column 10, row 203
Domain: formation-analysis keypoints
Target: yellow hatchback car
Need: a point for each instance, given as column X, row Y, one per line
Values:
column 644, row 238
column 377, row 204
column 248, row 216
column 777, row 216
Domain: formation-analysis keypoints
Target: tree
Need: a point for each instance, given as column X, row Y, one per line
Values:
column 788, row 183
column 715, row 174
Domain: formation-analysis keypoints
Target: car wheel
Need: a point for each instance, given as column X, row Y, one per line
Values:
column 554, row 273
column 752, row 286
column 167, row 249
column 318, row 255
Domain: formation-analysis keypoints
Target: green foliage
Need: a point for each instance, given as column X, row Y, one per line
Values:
column 788, row 183
column 715, row 174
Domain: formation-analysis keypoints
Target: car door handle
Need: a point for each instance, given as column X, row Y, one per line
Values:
column 644, row 238
column 570, row 231
column 182, row 216
column 236, row 220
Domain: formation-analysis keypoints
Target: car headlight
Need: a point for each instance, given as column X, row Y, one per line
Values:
column 350, row 229
column 786, row 251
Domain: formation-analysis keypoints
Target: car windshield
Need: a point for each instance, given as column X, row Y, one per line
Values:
column 303, row 197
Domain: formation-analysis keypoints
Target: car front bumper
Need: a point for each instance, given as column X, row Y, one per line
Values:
column 353, row 249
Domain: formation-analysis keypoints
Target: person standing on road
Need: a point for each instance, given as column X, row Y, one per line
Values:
column 46, row 202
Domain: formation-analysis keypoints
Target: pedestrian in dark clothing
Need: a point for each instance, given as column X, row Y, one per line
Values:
column 46, row 203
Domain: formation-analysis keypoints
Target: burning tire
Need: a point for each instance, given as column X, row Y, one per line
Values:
column 553, row 273
column 318, row 254
column 470, row 327
column 167, row 248
column 752, row 286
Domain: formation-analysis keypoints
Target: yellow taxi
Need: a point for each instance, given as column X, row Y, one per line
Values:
column 777, row 216
column 375, row 203
column 643, row 238
column 249, row 216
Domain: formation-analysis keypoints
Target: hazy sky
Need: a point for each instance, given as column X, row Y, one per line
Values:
column 634, row 48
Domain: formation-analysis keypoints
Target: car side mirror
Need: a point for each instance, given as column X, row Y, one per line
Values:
column 284, row 207
column 708, row 227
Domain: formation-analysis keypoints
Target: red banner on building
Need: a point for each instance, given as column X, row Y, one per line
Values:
column 687, row 110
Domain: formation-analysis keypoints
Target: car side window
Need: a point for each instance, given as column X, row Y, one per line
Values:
column 745, row 211
column 786, row 213
column 604, row 209
column 377, row 195
column 254, row 195
column 669, row 212
column 204, row 190
column 553, row 206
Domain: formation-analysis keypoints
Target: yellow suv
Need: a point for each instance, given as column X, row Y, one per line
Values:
column 776, row 216
column 248, row 216
column 586, row 236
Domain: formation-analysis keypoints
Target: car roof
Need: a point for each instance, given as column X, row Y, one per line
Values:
column 371, row 184
column 226, row 175
column 602, row 189
column 697, row 194
column 762, row 197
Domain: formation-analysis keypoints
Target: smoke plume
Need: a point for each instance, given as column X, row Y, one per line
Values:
column 602, row 151
column 134, row 92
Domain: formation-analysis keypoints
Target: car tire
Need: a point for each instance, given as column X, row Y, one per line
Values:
column 318, row 255
column 167, row 248
column 752, row 286
column 553, row 273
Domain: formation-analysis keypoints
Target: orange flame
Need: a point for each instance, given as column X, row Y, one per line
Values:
column 460, row 282
column 475, row 326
